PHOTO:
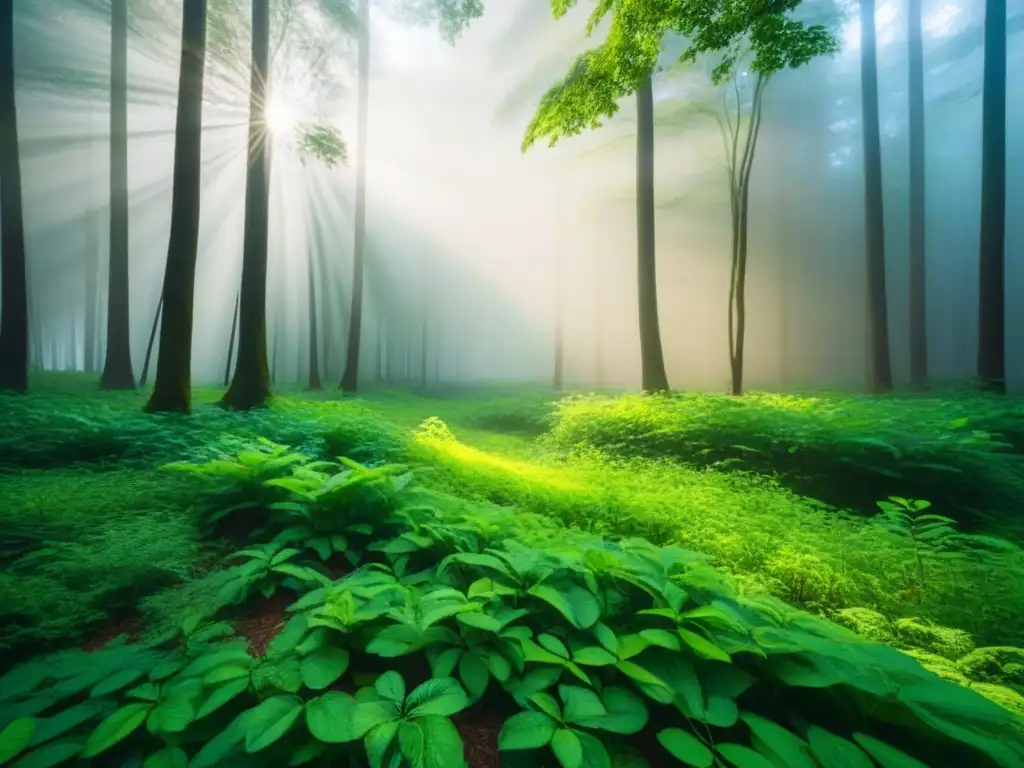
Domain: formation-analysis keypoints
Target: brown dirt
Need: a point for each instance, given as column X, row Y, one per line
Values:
column 479, row 730
column 129, row 623
column 263, row 621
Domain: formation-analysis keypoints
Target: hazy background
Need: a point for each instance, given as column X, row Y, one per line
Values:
column 468, row 236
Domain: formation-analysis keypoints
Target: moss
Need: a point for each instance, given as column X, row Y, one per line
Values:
column 940, row 665
column 1004, row 697
column 867, row 623
column 943, row 641
column 989, row 665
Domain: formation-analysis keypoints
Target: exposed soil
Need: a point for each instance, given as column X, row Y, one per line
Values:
column 263, row 621
column 479, row 729
column 128, row 623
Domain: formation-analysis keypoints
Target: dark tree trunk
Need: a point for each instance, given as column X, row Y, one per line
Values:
column 992, row 255
column 172, row 390
column 314, row 341
column 92, row 272
column 350, row 378
column 231, row 342
column 14, row 268
column 879, row 368
column 117, row 369
column 918, row 317
column 250, row 386
column 152, row 338
column 653, row 376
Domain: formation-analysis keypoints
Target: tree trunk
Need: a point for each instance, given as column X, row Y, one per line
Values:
column 992, row 256
column 653, row 376
column 250, row 386
column 117, row 369
column 918, row 317
column 350, row 378
column 92, row 271
column 152, row 338
column 172, row 390
column 314, row 341
column 231, row 342
column 14, row 268
column 879, row 367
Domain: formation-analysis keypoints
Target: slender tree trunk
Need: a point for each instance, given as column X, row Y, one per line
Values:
column 14, row 268
column 172, row 390
column 250, row 386
column 918, row 316
column 992, row 256
column 117, row 369
column 231, row 341
column 653, row 376
column 314, row 341
column 152, row 338
column 879, row 367
column 350, row 378
column 92, row 270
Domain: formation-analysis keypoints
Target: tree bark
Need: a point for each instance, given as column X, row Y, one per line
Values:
column 117, row 368
column 652, row 361
column 172, row 390
column 918, row 316
column 152, row 338
column 231, row 341
column 350, row 378
column 14, row 268
column 879, row 367
column 992, row 255
column 92, row 270
column 250, row 385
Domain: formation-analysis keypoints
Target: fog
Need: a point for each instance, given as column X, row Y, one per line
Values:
column 470, row 240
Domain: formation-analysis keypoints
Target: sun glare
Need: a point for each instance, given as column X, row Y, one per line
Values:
column 279, row 116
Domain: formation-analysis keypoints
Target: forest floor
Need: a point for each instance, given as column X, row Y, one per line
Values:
column 778, row 492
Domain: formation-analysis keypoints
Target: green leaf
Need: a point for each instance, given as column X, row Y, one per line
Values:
column 474, row 673
column 527, row 730
column 553, row 645
column 322, row 546
column 15, row 737
column 166, row 668
column 64, row 721
column 444, row 748
column 790, row 748
column 411, row 742
column 171, row 716
column 638, row 673
column 533, row 652
column 50, row 755
column 309, row 751
column 661, row 638
column 145, row 692
column 721, row 712
column 223, row 744
column 546, row 703
column 580, row 704
column 743, row 757
column 440, row 696
column 625, row 714
column 594, row 753
column 391, row 686
column 225, row 674
column 834, row 751
column 885, row 755
column 323, row 666
column 686, row 748
column 594, row 656
column 168, row 757
column 702, row 646
column 443, row 664
column 270, row 721
column 116, row 682
column 376, row 743
column 579, row 607
column 222, row 696
column 337, row 718
column 119, row 726
column 567, row 748
column 480, row 620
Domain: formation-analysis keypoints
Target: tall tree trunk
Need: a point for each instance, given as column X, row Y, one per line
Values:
column 14, row 269
column 250, row 386
column 92, row 272
column 117, row 369
column 918, row 316
column 172, row 390
column 231, row 341
column 314, row 341
column 152, row 338
column 350, row 378
column 879, row 367
column 992, row 256
column 652, row 361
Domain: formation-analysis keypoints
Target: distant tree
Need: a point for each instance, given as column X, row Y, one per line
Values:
column 13, row 271
column 992, row 252
column 918, row 306
column 172, row 390
column 117, row 368
column 230, row 358
column 625, row 64
column 879, row 366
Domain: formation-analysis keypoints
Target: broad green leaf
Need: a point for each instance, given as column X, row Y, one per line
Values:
column 479, row 620
column 702, row 646
column 209, row 661
column 721, row 712
column 579, row 607
column 443, row 745
column 168, row 757
column 527, row 730
column 270, row 721
column 661, row 638
column 440, row 696
column 119, row 726
column 323, row 666
column 222, row 696
column 308, row 752
column 567, row 748
column 499, row 666
column 225, row 674
column 377, row 741
column 885, row 755
column 166, row 668
column 59, row 724
column 443, row 664
column 638, row 673
column 790, row 748
column 223, row 744
column 337, row 718
column 533, row 652
column 474, row 673
column 546, row 703
column 553, row 645
column 116, row 682
column 411, row 741
column 595, row 755
column 391, row 686
column 626, row 712
column 321, row 545
column 15, row 737
column 171, row 716
column 686, row 748
column 743, row 757
column 834, row 751
column 580, row 704
column 594, row 656
column 145, row 692
column 49, row 755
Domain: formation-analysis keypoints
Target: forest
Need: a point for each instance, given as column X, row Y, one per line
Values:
column 440, row 383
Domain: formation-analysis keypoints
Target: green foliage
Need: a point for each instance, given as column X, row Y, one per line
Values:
column 323, row 142
column 451, row 16
column 615, row 69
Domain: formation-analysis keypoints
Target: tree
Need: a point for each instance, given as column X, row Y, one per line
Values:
column 879, row 366
column 992, row 256
column 172, row 390
column 625, row 64
column 250, row 385
column 918, row 316
column 117, row 368
column 14, row 269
